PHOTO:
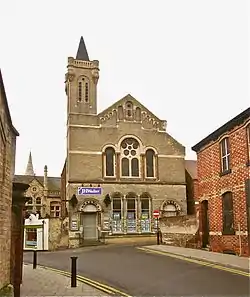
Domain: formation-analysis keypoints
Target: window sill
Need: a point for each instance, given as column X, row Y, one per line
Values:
column 225, row 172
column 110, row 177
column 130, row 177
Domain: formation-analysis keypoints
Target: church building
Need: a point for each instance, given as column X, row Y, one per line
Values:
column 43, row 192
column 121, row 163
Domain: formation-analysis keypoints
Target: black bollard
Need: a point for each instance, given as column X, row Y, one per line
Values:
column 73, row 271
column 34, row 259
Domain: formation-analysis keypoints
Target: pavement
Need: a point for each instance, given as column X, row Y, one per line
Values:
column 132, row 271
column 45, row 282
column 241, row 263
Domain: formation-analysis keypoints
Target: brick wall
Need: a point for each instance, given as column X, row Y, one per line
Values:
column 7, row 156
column 212, row 184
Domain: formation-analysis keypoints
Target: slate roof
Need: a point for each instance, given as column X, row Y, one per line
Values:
column 82, row 53
column 238, row 120
column 191, row 167
column 5, row 102
column 54, row 183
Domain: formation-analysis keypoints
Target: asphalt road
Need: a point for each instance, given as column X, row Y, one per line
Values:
column 141, row 274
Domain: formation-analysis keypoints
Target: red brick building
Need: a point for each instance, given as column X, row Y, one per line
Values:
column 223, row 160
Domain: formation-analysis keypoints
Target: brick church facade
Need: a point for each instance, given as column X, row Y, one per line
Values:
column 223, row 160
column 124, row 154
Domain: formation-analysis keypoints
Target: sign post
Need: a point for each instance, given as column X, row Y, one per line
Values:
column 156, row 215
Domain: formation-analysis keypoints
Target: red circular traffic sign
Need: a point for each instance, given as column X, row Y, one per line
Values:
column 156, row 213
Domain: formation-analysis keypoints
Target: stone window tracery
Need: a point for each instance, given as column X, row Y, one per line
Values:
column 109, row 162
column 130, row 158
column 38, row 200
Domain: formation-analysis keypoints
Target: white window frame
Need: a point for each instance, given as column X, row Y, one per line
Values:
column 225, row 143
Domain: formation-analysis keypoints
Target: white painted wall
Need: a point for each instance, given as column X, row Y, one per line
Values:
column 42, row 232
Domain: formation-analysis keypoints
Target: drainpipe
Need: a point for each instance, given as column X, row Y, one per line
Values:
column 240, row 239
column 43, row 235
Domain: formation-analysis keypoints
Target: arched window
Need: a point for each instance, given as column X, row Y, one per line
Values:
column 150, row 163
column 225, row 155
column 30, row 201
column 120, row 113
column 228, row 215
column 38, row 200
column 130, row 158
column 109, row 162
column 83, row 89
column 138, row 114
column 170, row 210
column 129, row 110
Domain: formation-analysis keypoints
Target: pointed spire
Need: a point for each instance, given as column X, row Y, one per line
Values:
column 82, row 53
column 29, row 169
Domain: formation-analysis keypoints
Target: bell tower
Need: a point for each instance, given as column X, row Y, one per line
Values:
column 81, row 82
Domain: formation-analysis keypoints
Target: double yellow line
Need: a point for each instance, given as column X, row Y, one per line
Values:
column 200, row 262
column 104, row 288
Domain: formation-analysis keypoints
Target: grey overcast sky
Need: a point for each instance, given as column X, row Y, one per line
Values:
column 185, row 60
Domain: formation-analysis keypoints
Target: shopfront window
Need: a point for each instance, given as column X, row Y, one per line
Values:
column 131, row 214
column 31, row 238
column 117, row 215
column 145, row 215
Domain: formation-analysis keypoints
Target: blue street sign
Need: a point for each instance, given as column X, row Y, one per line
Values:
column 89, row 191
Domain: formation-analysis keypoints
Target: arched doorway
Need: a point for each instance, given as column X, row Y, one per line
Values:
column 89, row 220
column 205, row 223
